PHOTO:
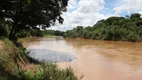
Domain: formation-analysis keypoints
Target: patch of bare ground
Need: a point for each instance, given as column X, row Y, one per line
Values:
column 28, row 66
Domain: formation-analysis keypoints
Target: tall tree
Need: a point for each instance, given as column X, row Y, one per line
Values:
column 30, row 13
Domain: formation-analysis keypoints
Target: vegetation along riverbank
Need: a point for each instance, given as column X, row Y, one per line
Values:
column 127, row 28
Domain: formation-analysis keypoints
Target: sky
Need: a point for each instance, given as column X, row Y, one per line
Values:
column 88, row 12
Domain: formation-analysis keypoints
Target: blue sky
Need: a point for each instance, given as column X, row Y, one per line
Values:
column 108, row 7
column 88, row 12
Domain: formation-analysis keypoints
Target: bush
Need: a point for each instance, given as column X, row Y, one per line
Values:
column 4, row 31
column 49, row 71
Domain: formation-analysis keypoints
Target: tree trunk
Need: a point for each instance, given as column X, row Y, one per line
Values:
column 12, row 32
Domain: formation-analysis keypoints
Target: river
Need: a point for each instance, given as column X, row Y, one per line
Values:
column 93, row 59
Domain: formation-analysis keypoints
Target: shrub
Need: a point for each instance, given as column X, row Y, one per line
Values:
column 49, row 71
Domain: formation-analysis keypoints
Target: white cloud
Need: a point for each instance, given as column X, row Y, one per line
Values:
column 87, row 12
column 72, row 4
column 128, row 5
column 81, row 13
column 140, row 12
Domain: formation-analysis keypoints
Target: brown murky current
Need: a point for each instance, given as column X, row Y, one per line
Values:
column 97, row 60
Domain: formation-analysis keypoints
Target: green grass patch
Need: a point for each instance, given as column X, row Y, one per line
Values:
column 49, row 71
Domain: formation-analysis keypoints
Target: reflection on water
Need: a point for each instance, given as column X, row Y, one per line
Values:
column 50, row 56
column 48, row 49
column 96, row 60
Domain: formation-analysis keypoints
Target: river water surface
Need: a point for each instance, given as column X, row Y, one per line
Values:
column 95, row 60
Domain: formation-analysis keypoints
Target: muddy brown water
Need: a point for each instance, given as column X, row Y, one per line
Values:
column 94, row 59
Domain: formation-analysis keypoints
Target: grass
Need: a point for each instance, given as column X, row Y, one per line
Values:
column 49, row 71
column 8, row 66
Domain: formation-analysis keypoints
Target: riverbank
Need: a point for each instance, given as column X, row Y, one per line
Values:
column 15, row 65
column 111, row 29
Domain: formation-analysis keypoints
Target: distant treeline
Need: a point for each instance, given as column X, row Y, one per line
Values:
column 38, row 33
column 127, row 28
column 23, row 31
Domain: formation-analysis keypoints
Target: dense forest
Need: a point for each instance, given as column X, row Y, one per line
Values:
column 127, row 28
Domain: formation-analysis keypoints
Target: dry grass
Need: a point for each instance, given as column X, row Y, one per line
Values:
column 8, row 64
column 1, row 44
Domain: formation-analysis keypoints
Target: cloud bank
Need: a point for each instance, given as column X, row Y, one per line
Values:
column 88, row 12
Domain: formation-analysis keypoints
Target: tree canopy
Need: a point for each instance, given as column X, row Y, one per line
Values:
column 114, row 28
column 30, row 13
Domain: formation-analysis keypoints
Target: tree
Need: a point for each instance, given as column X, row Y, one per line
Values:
column 30, row 13
column 135, row 16
column 113, row 28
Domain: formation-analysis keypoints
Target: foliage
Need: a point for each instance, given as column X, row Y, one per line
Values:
column 114, row 28
column 52, row 33
column 4, row 29
column 49, row 71
column 22, row 33
column 31, row 13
